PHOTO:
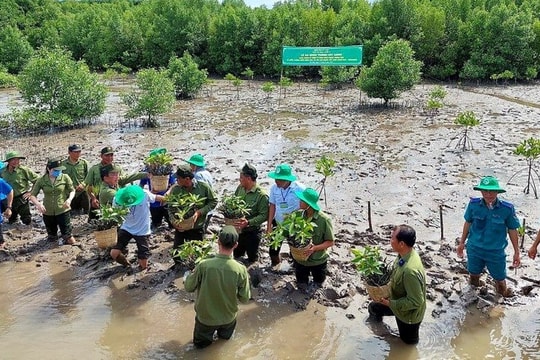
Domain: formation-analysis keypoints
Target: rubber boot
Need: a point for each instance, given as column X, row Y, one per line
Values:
column 275, row 259
column 474, row 280
column 121, row 259
column 503, row 290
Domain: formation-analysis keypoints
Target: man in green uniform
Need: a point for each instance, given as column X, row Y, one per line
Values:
column 407, row 300
column 323, row 238
column 21, row 180
column 111, row 181
column 185, row 184
column 257, row 201
column 77, row 169
column 220, row 282
column 93, row 179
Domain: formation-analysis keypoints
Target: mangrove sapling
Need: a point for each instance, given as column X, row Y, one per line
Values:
column 373, row 269
column 295, row 229
column 467, row 119
column 530, row 149
column 109, row 216
column 183, row 206
column 233, row 207
column 325, row 167
column 159, row 164
column 191, row 252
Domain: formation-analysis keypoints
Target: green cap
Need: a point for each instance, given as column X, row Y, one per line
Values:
column 489, row 183
column 55, row 164
column 282, row 172
column 107, row 150
column 129, row 196
column 13, row 155
column 197, row 160
column 310, row 197
column 228, row 236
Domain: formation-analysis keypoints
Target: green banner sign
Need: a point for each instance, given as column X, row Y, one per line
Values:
column 322, row 56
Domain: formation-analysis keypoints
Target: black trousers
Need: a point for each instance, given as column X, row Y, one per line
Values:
column 62, row 221
column 407, row 332
column 20, row 207
column 81, row 201
column 181, row 237
column 302, row 273
column 248, row 242
column 203, row 335
column 158, row 214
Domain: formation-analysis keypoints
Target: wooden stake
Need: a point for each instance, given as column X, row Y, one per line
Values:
column 370, row 229
column 442, row 224
column 523, row 235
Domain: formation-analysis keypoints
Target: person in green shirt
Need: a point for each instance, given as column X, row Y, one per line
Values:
column 220, row 283
column 77, row 169
column 111, row 181
column 250, row 226
column 186, row 183
column 93, row 180
column 407, row 300
column 58, row 192
column 21, row 180
column 323, row 238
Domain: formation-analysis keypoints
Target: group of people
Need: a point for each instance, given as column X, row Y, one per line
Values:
column 70, row 185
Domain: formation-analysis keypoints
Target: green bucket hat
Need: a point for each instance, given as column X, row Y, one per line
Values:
column 197, row 160
column 489, row 183
column 13, row 155
column 158, row 151
column 282, row 172
column 129, row 196
column 310, row 197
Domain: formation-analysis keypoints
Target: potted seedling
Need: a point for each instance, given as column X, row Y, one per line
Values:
column 297, row 231
column 181, row 209
column 374, row 271
column 160, row 165
column 191, row 252
column 108, row 219
column 233, row 208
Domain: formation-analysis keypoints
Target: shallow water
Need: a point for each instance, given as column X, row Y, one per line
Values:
column 47, row 313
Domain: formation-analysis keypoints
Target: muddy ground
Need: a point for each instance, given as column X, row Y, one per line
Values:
column 401, row 163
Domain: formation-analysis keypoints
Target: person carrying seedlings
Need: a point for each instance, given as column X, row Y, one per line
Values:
column 21, row 179
column 136, row 225
column 77, row 169
column 93, row 179
column 6, row 193
column 250, row 225
column 111, row 181
column 407, row 301
column 323, row 238
column 220, row 283
column 487, row 222
column 198, row 167
column 58, row 192
column 281, row 201
column 187, row 184
column 158, row 210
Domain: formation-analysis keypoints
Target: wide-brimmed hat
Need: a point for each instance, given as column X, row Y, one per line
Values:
column 228, row 236
column 184, row 171
column 13, row 155
column 197, row 160
column 310, row 197
column 55, row 164
column 129, row 196
column 158, row 151
column 249, row 170
column 489, row 183
column 107, row 150
column 282, row 172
